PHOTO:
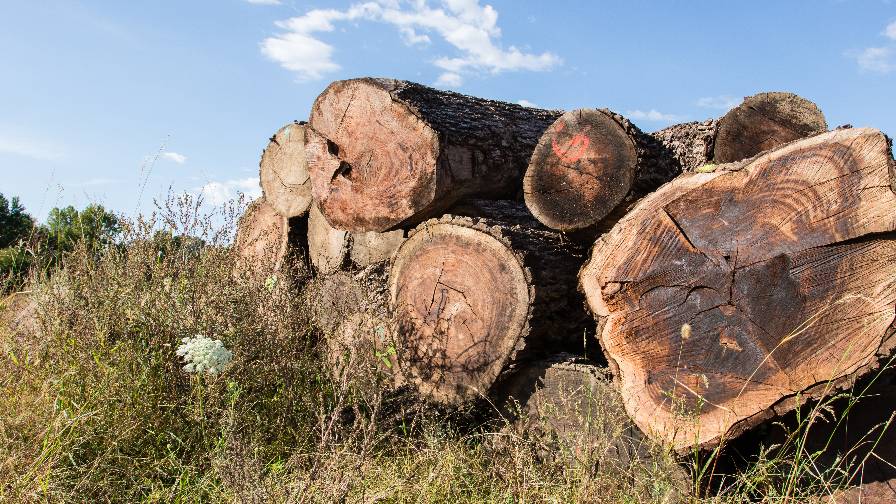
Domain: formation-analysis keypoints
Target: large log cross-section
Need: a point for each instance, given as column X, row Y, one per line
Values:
column 722, row 296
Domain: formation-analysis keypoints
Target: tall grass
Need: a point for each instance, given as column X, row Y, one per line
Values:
column 95, row 405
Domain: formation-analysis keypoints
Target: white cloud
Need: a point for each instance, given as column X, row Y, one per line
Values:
column 652, row 115
column 876, row 59
column 470, row 28
column 890, row 31
column 527, row 103
column 29, row 148
column 264, row 2
column 449, row 80
column 173, row 156
column 217, row 193
column 722, row 102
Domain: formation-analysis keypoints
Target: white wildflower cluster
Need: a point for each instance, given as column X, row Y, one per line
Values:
column 203, row 354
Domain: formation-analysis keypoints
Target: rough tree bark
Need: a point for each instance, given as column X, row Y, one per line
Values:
column 332, row 249
column 471, row 296
column 390, row 153
column 761, row 122
column 723, row 295
column 283, row 172
column 587, row 163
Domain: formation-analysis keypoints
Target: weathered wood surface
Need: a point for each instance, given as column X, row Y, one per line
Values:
column 723, row 295
column 386, row 153
column 470, row 296
column 587, row 163
column 765, row 121
column 761, row 122
column 262, row 238
column 332, row 249
column 283, row 172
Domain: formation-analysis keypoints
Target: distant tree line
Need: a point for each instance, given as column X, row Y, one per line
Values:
column 24, row 243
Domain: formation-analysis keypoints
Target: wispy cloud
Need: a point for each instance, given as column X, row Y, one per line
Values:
column 219, row 192
column 527, row 103
column 265, row 2
column 876, row 59
column 890, row 31
column 449, row 80
column 28, row 147
column 652, row 115
column 174, row 156
column 470, row 28
column 721, row 102
column 881, row 59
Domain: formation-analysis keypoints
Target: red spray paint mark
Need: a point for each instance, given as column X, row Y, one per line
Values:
column 574, row 149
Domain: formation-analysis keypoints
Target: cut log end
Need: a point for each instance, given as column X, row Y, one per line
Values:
column 765, row 121
column 262, row 239
column 754, row 284
column 461, row 299
column 583, row 167
column 361, row 181
column 283, row 172
column 327, row 246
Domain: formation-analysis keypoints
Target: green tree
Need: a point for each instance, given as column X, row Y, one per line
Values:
column 94, row 226
column 15, row 224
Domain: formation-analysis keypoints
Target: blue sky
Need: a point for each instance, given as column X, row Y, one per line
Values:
column 120, row 102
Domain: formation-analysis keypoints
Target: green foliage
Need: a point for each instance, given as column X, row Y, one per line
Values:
column 94, row 227
column 15, row 224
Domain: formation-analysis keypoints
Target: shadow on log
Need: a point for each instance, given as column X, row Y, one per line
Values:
column 472, row 296
column 723, row 295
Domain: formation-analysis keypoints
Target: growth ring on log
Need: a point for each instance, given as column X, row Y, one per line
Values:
column 765, row 121
column 460, row 309
column 722, row 296
column 583, row 167
column 283, row 172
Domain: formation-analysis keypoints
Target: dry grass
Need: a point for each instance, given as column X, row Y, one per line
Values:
column 95, row 407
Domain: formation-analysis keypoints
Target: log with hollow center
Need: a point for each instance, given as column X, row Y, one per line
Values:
column 385, row 153
column 471, row 296
column 723, row 295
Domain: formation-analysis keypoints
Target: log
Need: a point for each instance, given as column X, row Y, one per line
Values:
column 283, row 172
column 587, row 163
column 761, row 122
column 328, row 247
column 472, row 296
column 332, row 249
column 568, row 407
column 765, row 121
column 333, row 299
column 262, row 238
column 723, row 295
column 387, row 154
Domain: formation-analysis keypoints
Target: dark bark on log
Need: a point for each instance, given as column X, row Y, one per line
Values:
column 283, row 172
column 472, row 296
column 391, row 153
column 723, row 295
column 690, row 143
column 588, row 163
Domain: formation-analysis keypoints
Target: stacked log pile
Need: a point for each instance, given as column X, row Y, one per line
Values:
column 723, row 269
